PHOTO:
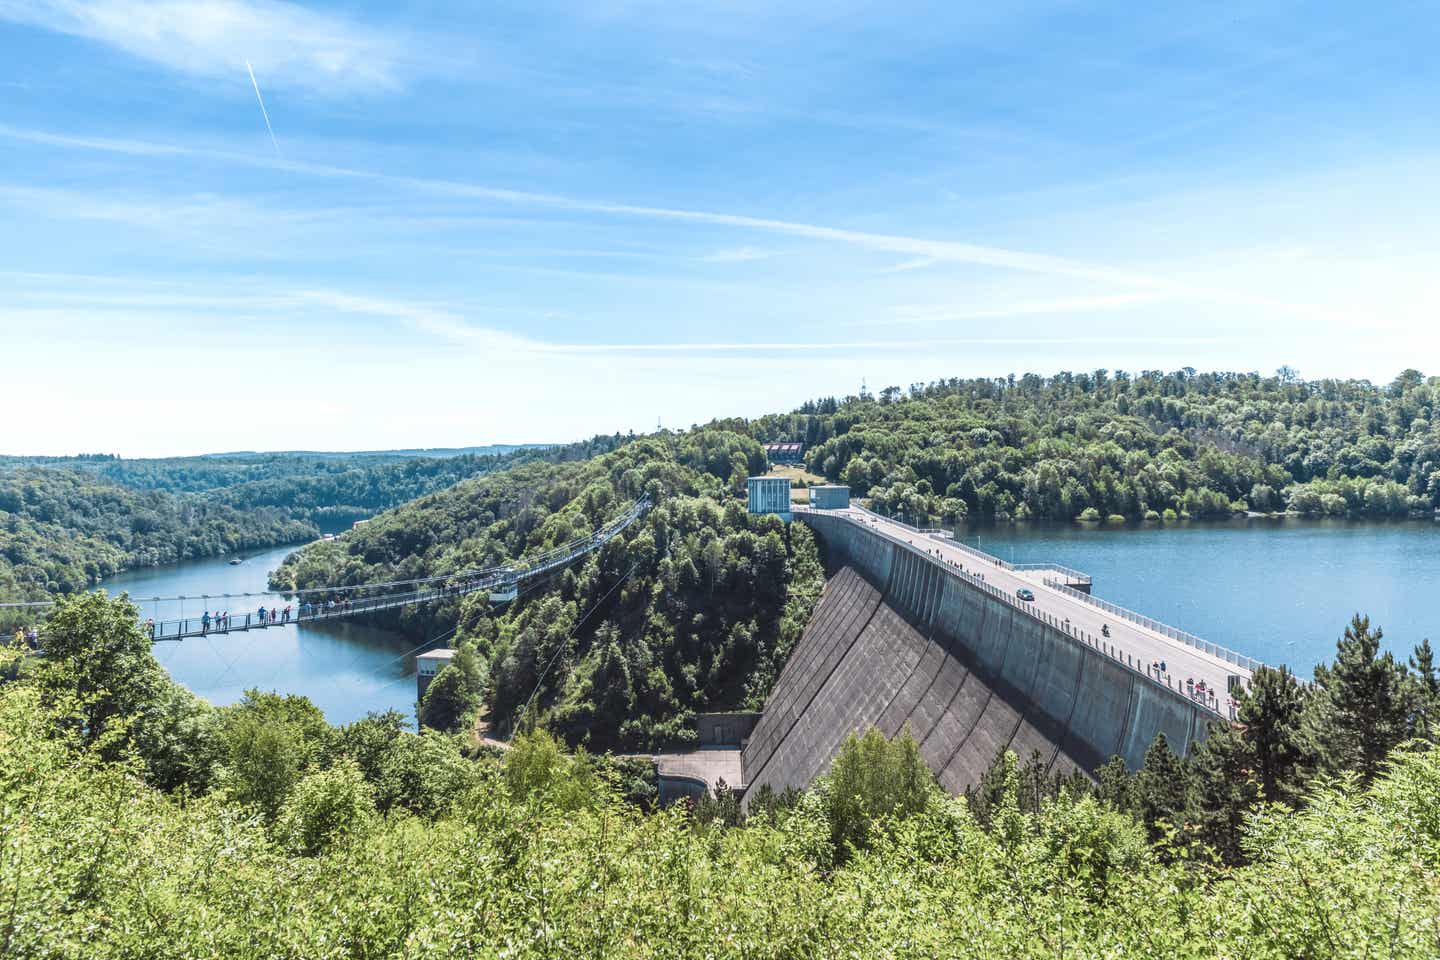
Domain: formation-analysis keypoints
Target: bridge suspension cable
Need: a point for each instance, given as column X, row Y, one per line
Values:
column 420, row 589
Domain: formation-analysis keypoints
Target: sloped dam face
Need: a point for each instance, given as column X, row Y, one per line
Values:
column 899, row 638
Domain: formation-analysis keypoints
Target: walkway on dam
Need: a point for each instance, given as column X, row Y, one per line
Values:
column 1186, row 667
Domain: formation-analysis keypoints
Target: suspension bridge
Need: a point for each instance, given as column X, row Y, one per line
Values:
column 316, row 604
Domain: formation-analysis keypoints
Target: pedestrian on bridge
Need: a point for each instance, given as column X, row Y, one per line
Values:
column 261, row 614
column 205, row 622
column 287, row 614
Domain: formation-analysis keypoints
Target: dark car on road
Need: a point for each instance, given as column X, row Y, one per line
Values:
column 1024, row 594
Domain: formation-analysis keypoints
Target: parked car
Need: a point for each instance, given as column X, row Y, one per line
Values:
column 1024, row 594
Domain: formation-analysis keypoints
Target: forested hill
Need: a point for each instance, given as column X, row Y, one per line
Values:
column 61, row 530
column 67, row 522
column 694, row 608
column 1131, row 445
column 327, row 489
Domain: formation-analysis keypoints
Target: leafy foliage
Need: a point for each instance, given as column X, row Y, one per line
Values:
column 537, row 859
column 695, row 607
column 388, row 843
column 874, row 780
column 1132, row 445
column 61, row 531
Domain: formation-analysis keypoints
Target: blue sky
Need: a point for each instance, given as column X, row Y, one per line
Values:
column 537, row 221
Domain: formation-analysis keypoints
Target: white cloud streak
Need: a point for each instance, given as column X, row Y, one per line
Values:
column 453, row 323
column 917, row 248
column 263, row 112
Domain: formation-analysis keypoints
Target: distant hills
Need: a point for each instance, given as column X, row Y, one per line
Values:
column 487, row 450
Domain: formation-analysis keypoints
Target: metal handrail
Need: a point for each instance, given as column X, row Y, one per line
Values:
column 1075, row 576
column 1109, row 650
column 950, row 538
column 1174, row 633
column 458, row 584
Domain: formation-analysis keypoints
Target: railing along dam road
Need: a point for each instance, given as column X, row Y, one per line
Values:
column 1135, row 640
column 320, row 603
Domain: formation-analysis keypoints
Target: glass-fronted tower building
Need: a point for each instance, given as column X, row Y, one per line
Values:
column 769, row 495
column 830, row 496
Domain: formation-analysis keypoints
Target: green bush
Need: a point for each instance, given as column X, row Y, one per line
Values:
column 326, row 807
column 871, row 782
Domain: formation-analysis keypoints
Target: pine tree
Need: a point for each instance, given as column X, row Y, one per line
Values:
column 1115, row 784
column 1162, row 789
column 1263, row 757
column 1271, row 715
column 1227, row 787
column 1427, row 690
column 1366, row 704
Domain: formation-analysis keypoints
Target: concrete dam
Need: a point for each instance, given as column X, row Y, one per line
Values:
column 907, row 633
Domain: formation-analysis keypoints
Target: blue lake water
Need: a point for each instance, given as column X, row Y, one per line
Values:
column 1281, row 591
column 347, row 669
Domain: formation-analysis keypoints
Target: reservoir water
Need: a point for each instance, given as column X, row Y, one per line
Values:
column 1281, row 591
column 347, row 669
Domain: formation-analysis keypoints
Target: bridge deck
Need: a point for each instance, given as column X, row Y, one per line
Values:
column 1144, row 643
column 496, row 579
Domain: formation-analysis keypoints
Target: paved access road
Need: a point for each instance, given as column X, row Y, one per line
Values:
column 1133, row 642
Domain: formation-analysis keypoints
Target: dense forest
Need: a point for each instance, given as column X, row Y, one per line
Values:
column 695, row 607
column 138, row 821
column 61, row 530
column 141, row 821
column 1150, row 445
column 67, row 522
column 324, row 489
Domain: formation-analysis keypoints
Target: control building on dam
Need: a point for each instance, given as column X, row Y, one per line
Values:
column 916, row 630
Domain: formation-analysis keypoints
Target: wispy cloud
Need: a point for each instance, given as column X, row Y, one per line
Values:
column 917, row 248
column 47, row 297
column 937, row 250
column 857, row 346
column 291, row 45
column 737, row 255
column 917, row 316
column 905, row 266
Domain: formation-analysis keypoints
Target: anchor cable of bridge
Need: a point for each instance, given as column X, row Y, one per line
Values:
column 457, row 583
column 520, row 569
column 560, row 648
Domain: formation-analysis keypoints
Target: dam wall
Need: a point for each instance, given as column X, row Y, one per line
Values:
column 901, row 638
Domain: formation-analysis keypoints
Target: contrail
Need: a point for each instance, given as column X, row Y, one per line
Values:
column 263, row 112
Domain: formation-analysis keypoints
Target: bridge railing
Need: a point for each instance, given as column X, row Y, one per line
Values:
column 950, row 538
column 1174, row 633
column 1207, row 699
column 425, row 590
column 1070, row 574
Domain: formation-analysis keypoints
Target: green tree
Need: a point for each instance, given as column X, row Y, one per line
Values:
column 1366, row 703
column 873, row 779
column 1162, row 790
column 455, row 692
column 1264, row 756
column 326, row 807
column 538, row 770
column 271, row 742
column 96, row 652
column 1427, row 689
